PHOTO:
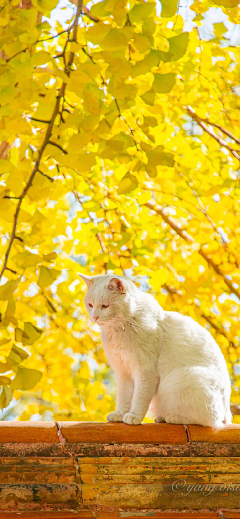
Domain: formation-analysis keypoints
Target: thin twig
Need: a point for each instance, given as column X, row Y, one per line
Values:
column 212, row 223
column 58, row 146
column 12, row 197
column 11, row 270
column 89, row 15
column 45, row 175
column 116, row 102
column 39, row 120
column 223, row 130
column 58, row 34
column 129, row 127
column 39, row 41
column 172, row 290
column 17, row 53
column 211, row 133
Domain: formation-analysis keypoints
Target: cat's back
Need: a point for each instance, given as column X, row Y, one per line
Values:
column 186, row 330
column 181, row 323
column 190, row 343
column 183, row 333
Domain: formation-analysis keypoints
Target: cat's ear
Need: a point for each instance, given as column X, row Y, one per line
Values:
column 87, row 279
column 117, row 285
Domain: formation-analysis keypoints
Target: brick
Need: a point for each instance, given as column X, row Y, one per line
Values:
column 26, row 497
column 28, row 432
column 61, row 515
column 154, row 434
column 230, row 434
column 160, row 515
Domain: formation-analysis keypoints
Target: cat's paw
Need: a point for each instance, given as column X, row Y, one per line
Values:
column 132, row 419
column 160, row 419
column 114, row 417
column 176, row 419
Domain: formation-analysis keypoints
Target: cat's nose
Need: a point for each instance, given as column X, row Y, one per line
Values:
column 96, row 318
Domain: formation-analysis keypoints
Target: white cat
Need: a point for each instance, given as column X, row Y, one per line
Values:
column 159, row 357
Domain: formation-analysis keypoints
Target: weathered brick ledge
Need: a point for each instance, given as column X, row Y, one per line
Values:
column 107, row 471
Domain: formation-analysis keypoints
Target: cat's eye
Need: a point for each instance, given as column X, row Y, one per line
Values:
column 90, row 304
column 105, row 306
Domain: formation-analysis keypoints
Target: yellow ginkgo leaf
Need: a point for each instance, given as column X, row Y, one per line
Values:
column 47, row 276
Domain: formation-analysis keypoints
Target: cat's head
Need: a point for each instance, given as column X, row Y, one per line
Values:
column 109, row 298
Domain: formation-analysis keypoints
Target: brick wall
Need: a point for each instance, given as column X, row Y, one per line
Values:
column 108, row 471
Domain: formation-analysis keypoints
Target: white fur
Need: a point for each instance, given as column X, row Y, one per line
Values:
column 159, row 357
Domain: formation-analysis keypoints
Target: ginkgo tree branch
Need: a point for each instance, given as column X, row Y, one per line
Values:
column 223, row 130
column 204, row 126
column 58, row 145
column 89, row 15
column 39, row 120
column 45, row 175
column 189, row 239
column 45, row 142
column 203, row 209
column 216, row 328
column 39, row 41
column 4, row 147
column 86, row 11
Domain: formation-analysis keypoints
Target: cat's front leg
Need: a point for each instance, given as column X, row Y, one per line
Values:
column 124, row 398
column 145, row 385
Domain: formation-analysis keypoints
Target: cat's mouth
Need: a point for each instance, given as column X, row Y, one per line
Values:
column 99, row 323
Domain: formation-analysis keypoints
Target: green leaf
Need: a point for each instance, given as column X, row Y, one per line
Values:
column 99, row 9
column 158, row 157
column 127, row 184
column 31, row 333
column 114, row 40
column 7, row 290
column 47, row 276
column 18, row 334
column 169, row 8
column 16, row 355
column 163, row 83
column 5, row 397
column 26, row 379
column 45, row 5
column 40, row 58
column 177, row 47
column 139, row 12
column 26, row 259
column 149, row 97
